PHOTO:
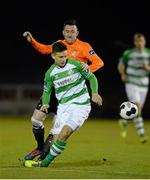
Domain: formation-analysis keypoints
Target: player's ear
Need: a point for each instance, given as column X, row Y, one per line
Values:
column 52, row 55
column 63, row 32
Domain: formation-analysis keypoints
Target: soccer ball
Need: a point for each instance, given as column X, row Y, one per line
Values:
column 128, row 110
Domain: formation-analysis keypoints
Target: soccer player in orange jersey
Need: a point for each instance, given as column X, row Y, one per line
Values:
column 77, row 50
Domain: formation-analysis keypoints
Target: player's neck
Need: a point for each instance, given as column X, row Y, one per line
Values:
column 63, row 65
column 140, row 49
column 71, row 43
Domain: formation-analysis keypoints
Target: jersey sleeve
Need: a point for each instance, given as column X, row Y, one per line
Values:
column 47, row 89
column 147, row 62
column 87, row 74
column 96, row 61
column 124, row 58
column 42, row 48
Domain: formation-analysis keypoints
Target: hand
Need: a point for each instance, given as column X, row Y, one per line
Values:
column 28, row 36
column 97, row 99
column 44, row 108
column 124, row 77
column 147, row 67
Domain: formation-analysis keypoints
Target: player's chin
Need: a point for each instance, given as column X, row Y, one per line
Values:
column 62, row 64
column 70, row 40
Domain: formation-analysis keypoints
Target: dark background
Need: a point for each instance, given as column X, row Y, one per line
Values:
column 108, row 26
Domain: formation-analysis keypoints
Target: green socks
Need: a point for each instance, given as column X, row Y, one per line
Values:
column 55, row 150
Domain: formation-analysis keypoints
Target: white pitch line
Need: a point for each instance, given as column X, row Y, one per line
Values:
column 75, row 170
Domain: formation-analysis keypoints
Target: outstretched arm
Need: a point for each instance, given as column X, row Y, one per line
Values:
column 42, row 48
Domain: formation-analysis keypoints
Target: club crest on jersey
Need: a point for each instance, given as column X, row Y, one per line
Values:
column 74, row 53
column 70, row 72
column 92, row 52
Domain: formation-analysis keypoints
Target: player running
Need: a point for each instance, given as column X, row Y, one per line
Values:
column 134, row 68
column 68, row 78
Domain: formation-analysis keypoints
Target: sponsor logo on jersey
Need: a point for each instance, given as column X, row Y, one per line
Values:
column 92, row 52
column 65, row 82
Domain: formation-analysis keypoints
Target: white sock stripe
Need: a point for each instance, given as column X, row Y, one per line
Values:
column 141, row 132
column 139, row 119
column 53, row 153
column 139, row 122
column 56, row 148
column 139, row 125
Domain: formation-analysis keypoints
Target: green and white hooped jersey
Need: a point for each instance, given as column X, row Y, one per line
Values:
column 69, row 83
column 134, row 62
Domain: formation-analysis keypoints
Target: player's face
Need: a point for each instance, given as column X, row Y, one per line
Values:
column 140, row 42
column 60, row 58
column 70, row 33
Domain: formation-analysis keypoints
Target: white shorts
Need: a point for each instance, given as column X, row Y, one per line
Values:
column 136, row 94
column 72, row 115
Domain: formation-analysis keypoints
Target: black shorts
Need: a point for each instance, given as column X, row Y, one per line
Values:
column 53, row 104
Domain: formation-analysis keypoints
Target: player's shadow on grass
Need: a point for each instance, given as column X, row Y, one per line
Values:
column 84, row 163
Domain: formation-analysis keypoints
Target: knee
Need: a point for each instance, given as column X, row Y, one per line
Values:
column 37, row 119
column 65, row 133
column 139, row 106
column 63, row 136
column 39, row 115
column 36, row 123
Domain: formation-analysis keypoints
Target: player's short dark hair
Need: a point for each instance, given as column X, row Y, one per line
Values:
column 70, row 22
column 58, row 47
column 138, row 35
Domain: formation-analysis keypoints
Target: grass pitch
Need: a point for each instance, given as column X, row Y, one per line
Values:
column 96, row 151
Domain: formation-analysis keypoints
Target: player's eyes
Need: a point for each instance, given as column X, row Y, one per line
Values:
column 70, row 31
column 62, row 57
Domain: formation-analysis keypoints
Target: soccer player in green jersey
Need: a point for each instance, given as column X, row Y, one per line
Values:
column 134, row 68
column 68, row 78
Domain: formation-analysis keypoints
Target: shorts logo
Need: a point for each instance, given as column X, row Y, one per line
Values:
column 57, row 125
column 92, row 52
